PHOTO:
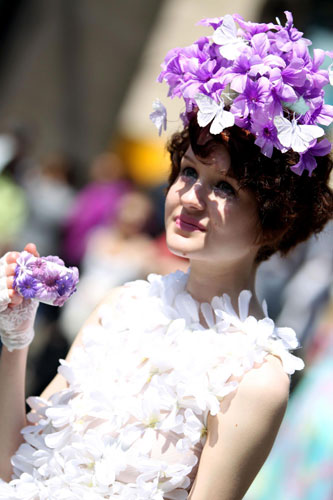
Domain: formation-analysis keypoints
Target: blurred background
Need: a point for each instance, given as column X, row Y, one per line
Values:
column 83, row 172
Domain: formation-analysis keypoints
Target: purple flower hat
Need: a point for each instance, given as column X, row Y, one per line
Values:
column 248, row 74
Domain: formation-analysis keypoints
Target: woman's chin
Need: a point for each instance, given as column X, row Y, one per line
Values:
column 182, row 249
column 179, row 253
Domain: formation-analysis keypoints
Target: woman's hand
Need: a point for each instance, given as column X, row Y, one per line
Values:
column 17, row 315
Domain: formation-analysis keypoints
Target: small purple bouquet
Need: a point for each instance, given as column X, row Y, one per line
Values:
column 46, row 279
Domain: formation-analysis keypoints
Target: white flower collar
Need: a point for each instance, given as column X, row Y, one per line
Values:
column 221, row 317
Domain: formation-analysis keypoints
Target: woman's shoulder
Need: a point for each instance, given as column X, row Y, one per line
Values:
column 263, row 390
column 268, row 381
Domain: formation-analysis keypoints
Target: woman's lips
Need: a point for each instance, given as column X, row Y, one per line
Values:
column 188, row 223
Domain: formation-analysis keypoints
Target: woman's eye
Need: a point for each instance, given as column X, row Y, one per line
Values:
column 226, row 188
column 189, row 172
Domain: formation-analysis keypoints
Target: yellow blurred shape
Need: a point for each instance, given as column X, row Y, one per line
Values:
column 147, row 163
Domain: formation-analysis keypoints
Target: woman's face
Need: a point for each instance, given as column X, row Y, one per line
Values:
column 207, row 216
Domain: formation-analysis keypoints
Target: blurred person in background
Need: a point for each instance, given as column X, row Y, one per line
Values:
column 50, row 197
column 177, row 386
column 50, row 194
column 13, row 202
column 116, row 253
column 95, row 205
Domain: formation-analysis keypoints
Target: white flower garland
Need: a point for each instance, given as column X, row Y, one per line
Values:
column 149, row 370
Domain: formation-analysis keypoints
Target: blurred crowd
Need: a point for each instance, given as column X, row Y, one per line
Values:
column 108, row 226
column 112, row 230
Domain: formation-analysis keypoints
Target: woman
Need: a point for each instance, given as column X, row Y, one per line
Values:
column 177, row 385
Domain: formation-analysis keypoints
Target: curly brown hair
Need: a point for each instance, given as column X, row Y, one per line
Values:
column 291, row 207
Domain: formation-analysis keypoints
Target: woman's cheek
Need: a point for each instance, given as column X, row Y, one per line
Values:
column 219, row 214
column 171, row 201
column 167, row 205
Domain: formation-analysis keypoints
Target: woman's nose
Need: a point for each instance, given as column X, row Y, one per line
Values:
column 193, row 197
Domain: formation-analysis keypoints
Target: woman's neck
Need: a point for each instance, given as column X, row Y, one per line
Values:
column 207, row 281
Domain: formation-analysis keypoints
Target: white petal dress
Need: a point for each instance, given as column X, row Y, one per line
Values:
column 132, row 423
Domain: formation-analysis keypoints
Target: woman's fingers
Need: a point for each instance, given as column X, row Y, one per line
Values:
column 11, row 294
column 31, row 247
column 10, row 282
column 12, row 257
column 15, row 298
column 10, row 269
column 9, row 272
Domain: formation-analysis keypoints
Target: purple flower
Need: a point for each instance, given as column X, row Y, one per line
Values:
column 250, row 28
column 288, row 36
column 48, row 287
column 300, row 51
column 318, row 59
column 294, row 34
column 308, row 161
column 183, row 65
column 265, row 132
column 294, row 74
column 27, row 286
column 260, row 44
column 55, row 259
column 243, row 121
column 196, row 76
column 38, row 267
column 256, row 94
column 282, row 90
column 65, row 285
column 24, row 261
column 320, row 112
column 50, row 281
column 59, row 301
column 172, row 72
column 283, row 41
column 237, row 74
column 215, row 22
column 312, row 95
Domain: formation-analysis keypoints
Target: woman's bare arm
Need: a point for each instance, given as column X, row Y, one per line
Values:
column 12, row 397
column 241, row 436
column 12, row 382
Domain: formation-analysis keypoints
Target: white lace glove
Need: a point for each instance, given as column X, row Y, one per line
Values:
column 17, row 323
column 4, row 297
